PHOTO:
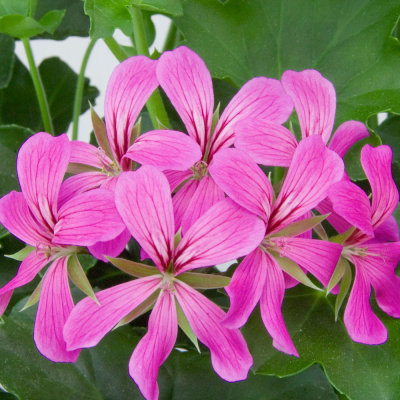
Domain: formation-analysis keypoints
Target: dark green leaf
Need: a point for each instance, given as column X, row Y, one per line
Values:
column 74, row 23
column 6, row 59
column 11, row 139
column 105, row 17
column 350, row 43
column 19, row 105
column 360, row 371
column 389, row 132
column 87, row 261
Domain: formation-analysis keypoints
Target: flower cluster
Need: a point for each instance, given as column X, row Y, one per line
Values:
column 192, row 201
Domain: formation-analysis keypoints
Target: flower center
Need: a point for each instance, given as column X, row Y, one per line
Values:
column 43, row 249
column 277, row 244
column 167, row 283
column 110, row 168
column 349, row 251
column 199, row 170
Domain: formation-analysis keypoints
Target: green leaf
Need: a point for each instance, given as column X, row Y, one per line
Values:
column 18, row 101
column 22, row 254
column 11, row 139
column 350, row 43
column 360, row 371
column 193, row 378
column 298, row 227
column 20, row 26
column 8, row 7
column 204, row 281
column 74, row 23
column 105, row 17
column 6, row 59
column 133, row 268
column 87, row 261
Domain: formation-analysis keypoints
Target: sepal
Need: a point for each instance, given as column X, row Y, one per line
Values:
column 344, row 287
column 299, row 227
column 204, row 281
column 185, row 326
column 22, row 254
column 133, row 268
column 100, row 132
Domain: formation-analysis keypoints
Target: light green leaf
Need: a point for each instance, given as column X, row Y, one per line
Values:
column 78, row 276
column 350, row 43
column 204, row 281
column 298, row 227
column 292, row 269
column 134, row 268
column 185, row 326
column 342, row 237
column 22, row 254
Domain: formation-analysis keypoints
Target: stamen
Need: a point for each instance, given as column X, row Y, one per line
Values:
column 199, row 170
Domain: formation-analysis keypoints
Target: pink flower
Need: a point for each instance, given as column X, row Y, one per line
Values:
column 374, row 259
column 130, row 85
column 260, row 276
column 187, row 82
column 35, row 217
column 224, row 232
column 314, row 98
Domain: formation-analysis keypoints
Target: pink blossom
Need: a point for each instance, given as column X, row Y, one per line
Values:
column 373, row 248
column 56, row 232
column 224, row 232
column 187, row 82
column 260, row 276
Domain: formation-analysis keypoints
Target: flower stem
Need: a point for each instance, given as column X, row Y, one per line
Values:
column 115, row 48
column 171, row 37
column 154, row 104
column 79, row 90
column 40, row 93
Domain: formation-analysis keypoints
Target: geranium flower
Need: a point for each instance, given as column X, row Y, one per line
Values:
column 54, row 233
column 224, row 232
column 373, row 248
column 187, row 82
column 260, row 276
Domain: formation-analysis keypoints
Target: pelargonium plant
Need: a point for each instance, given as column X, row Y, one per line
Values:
column 214, row 230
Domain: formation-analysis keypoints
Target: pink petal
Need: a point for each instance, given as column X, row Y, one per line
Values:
column 175, row 178
column 144, row 201
column 230, row 356
column 89, row 322
column 346, row 135
column 316, row 256
column 388, row 231
column 377, row 164
column 27, row 271
column 182, row 199
column 261, row 98
column 206, row 195
column 245, row 288
column 41, row 165
column 225, row 232
column 362, row 324
column 339, row 223
column 155, row 347
column 380, row 267
column 186, row 81
column 266, row 142
column 313, row 170
column 130, row 85
column 17, row 218
column 4, row 300
column 243, row 180
column 88, row 218
column 78, row 184
column 271, row 304
column 351, row 202
column 314, row 98
column 165, row 150
column 55, row 305
column 85, row 153
column 110, row 248
column 110, row 183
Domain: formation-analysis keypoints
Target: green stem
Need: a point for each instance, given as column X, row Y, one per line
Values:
column 79, row 90
column 154, row 104
column 171, row 37
column 118, row 51
column 37, row 82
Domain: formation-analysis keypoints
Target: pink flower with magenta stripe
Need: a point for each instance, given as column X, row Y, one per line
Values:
column 374, row 246
column 35, row 217
column 260, row 276
column 187, row 82
column 224, row 232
